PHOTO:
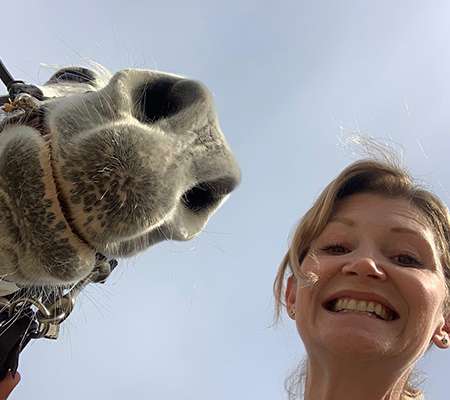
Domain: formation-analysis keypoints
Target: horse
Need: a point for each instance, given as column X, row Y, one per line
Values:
column 94, row 166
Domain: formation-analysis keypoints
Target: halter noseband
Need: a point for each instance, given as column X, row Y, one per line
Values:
column 25, row 316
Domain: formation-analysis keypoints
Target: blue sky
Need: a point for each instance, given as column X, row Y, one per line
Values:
column 193, row 320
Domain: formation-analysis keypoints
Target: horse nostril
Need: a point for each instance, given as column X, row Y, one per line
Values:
column 207, row 194
column 165, row 97
column 198, row 198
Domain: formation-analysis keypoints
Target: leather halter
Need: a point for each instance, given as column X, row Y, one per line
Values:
column 25, row 314
column 15, row 87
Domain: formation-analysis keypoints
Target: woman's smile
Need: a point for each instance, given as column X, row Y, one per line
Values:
column 367, row 303
column 362, row 307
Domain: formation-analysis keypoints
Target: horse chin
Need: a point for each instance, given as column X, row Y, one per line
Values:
column 182, row 225
column 131, row 246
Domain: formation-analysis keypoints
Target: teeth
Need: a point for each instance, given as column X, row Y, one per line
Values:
column 379, row 310
column 362, row 306
column 351, row 305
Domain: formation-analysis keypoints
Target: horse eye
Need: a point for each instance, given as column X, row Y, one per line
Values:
column 73, row 74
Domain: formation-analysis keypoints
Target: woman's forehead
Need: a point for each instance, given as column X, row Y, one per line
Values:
column 391, row 212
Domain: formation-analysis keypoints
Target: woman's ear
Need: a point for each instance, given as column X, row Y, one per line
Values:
column 441, row 337
column 290, row 296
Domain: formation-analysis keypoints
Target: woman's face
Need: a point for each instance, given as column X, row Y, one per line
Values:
column 381, row 287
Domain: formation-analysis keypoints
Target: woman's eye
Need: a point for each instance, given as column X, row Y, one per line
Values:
column 407, row 260
column 335, row 249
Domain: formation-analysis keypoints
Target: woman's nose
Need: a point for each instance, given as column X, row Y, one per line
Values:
column 364, row 267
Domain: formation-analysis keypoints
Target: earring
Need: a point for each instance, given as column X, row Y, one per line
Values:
column 444, row 341
column 292, row 312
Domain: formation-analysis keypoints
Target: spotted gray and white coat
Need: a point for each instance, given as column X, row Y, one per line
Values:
column 116, row 164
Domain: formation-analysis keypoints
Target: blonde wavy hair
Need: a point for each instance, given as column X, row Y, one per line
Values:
column 387, row 178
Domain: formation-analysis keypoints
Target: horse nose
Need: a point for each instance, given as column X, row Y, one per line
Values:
column 188, row 107
column 167, row 96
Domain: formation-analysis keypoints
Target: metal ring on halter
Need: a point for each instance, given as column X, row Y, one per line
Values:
column 15, row 306
column 59, row 310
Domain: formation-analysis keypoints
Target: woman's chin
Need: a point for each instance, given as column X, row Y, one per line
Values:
column 355, row 344
column 355, row 334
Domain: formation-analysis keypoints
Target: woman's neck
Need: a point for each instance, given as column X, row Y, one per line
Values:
column 341, row 380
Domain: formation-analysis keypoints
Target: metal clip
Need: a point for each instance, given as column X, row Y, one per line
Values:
column 49, row 315
column 58, row 312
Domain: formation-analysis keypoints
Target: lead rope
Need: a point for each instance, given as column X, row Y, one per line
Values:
column 25, row 315
column 5, row 76
column 7, row 79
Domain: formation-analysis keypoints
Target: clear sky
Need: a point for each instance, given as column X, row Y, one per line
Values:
column 193, row 320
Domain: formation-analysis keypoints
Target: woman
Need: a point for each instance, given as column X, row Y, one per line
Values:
column 368, row 284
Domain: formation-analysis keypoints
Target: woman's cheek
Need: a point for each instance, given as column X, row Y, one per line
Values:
column 312, row 268
column 424, row 293
column 307, row 305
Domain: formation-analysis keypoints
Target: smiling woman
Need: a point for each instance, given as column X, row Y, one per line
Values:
column 366, row 279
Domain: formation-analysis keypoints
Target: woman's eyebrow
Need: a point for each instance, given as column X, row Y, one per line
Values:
column 396, row 229
column 402, row 229
column 416, row 233
column 343, row 220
